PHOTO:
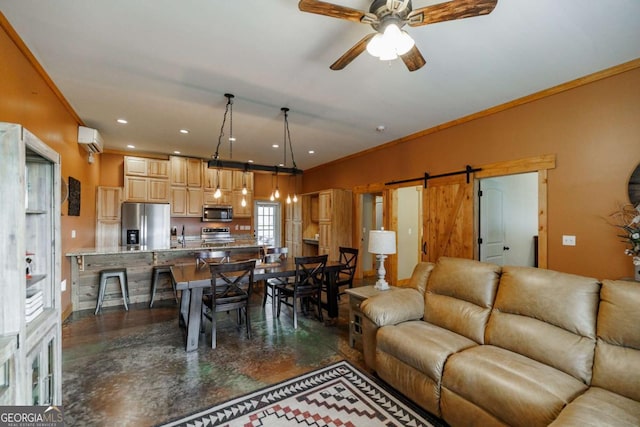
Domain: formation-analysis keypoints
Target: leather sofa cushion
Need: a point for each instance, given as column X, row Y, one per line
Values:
column 598, row 407
column 460, row 294
column 421, row 345
column 515, row 389
column 547, row 316
column 617, row 358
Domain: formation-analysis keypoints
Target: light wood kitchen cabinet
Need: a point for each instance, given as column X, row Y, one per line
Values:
column 326, row 223
column 293, row 228
column 325, row 211
column 242, row 178
column 186, row 171
column 157, row 168
column 146, row 180
column 142, row 166
column 108, row 203
column 213, row 176
column 139, row 189
column 108, row 216
column 186, row 201
column 225, row 198
column 30, row 298
column 135, row 166
column 240, row 211
column 108, row 233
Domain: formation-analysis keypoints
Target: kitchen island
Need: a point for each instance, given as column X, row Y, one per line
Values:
column 87, row 263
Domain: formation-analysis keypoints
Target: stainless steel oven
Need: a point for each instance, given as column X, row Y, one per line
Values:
column 217, row 213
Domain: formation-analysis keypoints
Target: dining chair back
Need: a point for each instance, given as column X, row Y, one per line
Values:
column 231, row 287
column 306, row 288
column 204, row 258
column 273, row 255
column 348, row 258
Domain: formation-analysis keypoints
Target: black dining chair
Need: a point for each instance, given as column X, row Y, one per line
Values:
column 273, row 255
column 348, row 258
column 204, row 258
column 231, row 287
column 306, row 287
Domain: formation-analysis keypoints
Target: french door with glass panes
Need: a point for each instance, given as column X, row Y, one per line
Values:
column 268, row 223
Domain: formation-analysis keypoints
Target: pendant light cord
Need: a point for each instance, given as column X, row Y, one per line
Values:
column 228, row 107
column 287, row 136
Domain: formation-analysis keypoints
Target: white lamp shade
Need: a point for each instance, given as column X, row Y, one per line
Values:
column 382, row 242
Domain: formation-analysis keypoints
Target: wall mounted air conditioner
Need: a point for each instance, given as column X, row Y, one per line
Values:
column 90, row 139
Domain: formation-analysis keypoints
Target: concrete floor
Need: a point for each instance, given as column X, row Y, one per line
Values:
column 130, row 368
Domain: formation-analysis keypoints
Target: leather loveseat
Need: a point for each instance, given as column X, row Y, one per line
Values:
column 481, row 345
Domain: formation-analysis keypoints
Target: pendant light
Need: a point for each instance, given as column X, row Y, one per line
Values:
column 217, row 194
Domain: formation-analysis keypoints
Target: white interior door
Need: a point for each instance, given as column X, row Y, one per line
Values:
column 509, row 219
column 492, row 228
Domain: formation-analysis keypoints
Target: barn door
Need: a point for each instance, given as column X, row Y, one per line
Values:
column 448, row 218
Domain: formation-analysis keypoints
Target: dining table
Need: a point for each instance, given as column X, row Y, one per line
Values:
column 192, row 279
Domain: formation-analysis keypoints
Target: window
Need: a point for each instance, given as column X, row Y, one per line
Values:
column 268, row 223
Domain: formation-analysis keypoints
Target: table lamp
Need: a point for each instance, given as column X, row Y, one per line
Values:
column 382, row 243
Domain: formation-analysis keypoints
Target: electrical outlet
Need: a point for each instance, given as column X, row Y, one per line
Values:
column 568, row 240
column 73, row 234
column 63, row 285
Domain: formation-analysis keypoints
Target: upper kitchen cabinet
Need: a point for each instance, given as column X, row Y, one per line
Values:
column 186, row 172
column 214, row 178
column 109, row 200
column 146, row 180
column 141, row 166
column 30, row 258
column 242, row 179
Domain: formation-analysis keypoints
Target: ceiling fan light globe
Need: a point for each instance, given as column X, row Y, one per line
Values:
column 375, row 46
column 388, row 56
column 404, row 43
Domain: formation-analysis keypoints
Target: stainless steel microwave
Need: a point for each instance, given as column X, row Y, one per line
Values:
column 217, row 213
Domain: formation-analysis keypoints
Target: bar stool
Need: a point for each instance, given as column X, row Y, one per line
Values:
column 121, row 275
column 157, row 271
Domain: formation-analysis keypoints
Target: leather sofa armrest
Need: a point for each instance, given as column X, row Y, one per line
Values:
column 390, row 308
column 393, row 307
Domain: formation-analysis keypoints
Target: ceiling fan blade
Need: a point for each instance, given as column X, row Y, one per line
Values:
column 352, row 53
column 413, row 59
column 332, row 10
column 449, row 11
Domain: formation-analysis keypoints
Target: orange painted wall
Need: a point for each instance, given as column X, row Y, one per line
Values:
column 28, row 100
column 594, row 131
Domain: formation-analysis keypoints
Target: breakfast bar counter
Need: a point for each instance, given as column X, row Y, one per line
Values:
column 86, row 264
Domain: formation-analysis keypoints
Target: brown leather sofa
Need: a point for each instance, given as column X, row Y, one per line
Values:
column 481, row 345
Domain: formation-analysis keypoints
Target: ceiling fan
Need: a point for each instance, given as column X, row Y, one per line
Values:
column 388, row 17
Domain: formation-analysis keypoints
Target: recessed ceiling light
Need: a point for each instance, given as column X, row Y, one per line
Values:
column 131, row 146
column 311, row 152
column 249, row 161
column 281, row 165
column 185, row 131
column 275, row 146
column 122, row 121
column 176, row 152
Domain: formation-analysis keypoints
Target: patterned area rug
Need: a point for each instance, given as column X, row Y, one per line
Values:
column 337, row 395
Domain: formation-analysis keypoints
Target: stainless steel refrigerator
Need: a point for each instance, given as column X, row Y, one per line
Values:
column 146, row 225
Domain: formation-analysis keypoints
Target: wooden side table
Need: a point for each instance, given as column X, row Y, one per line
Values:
column 356, row 297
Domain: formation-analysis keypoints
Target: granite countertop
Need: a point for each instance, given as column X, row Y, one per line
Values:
column 190, row 246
